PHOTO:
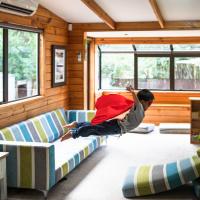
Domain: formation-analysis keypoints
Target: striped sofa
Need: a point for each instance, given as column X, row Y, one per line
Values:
column 37, row 158
column 151, row 179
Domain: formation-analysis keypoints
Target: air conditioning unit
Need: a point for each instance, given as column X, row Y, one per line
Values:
column 19, row 7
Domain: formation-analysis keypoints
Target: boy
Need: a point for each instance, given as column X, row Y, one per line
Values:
column 142, row 101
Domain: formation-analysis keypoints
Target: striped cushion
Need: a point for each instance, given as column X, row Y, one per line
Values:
column 43, row 128
column 80, row 115
column 151, row 179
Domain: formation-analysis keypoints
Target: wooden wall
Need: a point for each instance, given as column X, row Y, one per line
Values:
column 54, row 33
column 76, row 69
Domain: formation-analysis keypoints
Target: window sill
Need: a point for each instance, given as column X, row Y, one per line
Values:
column 23, row 101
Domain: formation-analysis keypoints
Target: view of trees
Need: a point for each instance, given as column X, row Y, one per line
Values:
column 22, row 63
column 117, row 69
column 22, row 54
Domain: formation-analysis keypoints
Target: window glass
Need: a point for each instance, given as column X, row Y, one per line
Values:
column 116, row 47
column 22, row 64
column 152, row 47
column 117, row 70
column 186, row 47
column 187, row 73
column 153, row 73
column 1, row 64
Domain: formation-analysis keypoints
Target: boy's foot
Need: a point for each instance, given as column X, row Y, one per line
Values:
column 66, row 136
column 71, row 125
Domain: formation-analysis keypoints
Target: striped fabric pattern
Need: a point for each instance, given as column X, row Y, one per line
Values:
column 43, row 128
column 30, row 166
column 78, row 157
column 80, row 115
column 151, row 179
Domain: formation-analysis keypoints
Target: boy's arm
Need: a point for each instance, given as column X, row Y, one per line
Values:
column 131, row 89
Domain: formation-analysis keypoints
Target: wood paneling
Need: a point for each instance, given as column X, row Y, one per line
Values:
column 54, row 33
column 76, row 69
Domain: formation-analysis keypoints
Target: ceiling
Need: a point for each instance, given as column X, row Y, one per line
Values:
column 114, row 11
column 75, row 11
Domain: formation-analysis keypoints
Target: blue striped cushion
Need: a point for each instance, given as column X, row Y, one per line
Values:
column 80, row 115
column 43, row 128
column 151, row 179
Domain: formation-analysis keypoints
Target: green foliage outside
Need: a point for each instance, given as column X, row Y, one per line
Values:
column 22, row 54
column 117, row 65
column 153, row 67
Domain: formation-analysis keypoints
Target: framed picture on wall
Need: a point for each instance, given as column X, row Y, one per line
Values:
column 58, row 65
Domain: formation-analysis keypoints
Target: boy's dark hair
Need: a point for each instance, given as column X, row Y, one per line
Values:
column 145, row 95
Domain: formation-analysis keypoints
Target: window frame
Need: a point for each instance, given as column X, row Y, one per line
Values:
column 6, row 28
column 171, row 54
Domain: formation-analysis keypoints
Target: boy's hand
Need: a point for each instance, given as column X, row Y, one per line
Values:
column 130, row 88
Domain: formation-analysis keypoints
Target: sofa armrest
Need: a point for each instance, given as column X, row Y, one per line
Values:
column 30, row 164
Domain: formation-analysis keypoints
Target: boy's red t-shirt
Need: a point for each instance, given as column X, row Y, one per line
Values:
column 110, row 106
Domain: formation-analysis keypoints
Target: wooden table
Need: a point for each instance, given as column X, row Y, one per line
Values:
column 3, row 178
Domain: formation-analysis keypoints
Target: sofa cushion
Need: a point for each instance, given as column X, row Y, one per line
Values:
column 46, row 127
column 80, row 115
column 151, row 179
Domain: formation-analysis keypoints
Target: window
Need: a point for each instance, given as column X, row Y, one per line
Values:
column 153, row 73
column 18, row 64
column 117, row 66
column 117, row 70
column 187, row 73
column 151, row 66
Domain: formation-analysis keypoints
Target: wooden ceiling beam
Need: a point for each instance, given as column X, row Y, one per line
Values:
column 157, row 12
column 92, row 5
column 149, row 40
column 138, row 26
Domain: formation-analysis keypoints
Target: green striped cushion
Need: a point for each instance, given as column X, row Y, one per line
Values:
column 43, row 128
column 151, row 179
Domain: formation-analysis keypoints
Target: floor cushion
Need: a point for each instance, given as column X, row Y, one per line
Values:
column 151, row 179
column 143, row 128
column 174, row 128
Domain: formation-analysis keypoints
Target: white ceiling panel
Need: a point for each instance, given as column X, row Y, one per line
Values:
column 128, row 10
column 126, row 34
column 174, row 10
column 73, row 11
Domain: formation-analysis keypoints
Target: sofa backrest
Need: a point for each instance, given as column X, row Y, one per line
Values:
column 79, row 115
column 46, row 127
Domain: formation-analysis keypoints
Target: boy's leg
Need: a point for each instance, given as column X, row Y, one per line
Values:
column 105, row 128
column 80, row 124
column 66, row 136
column 76, row 124
column 71, row 125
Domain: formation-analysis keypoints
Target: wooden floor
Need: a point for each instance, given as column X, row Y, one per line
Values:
column 100, row 177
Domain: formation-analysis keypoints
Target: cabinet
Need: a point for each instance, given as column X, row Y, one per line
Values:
column 195, row 120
